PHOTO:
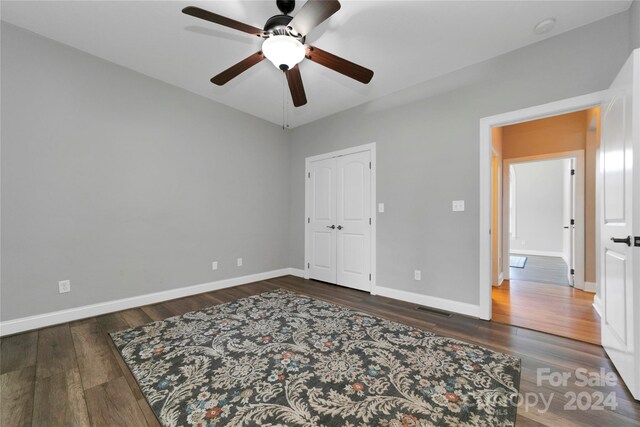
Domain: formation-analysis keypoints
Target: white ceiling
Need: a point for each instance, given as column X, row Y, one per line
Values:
column 404, row 42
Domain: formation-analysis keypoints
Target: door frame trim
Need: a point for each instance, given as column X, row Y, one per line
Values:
column 579, row 214
column 555, row 108
column 371, row 147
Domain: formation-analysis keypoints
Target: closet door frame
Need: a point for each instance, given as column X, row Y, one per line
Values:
column 371, row 148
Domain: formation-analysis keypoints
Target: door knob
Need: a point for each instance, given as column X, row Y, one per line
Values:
column 340, row 227
column 331, row 226
column 626, row 240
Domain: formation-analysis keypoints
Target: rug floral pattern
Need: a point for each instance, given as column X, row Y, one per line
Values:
column 283, row 359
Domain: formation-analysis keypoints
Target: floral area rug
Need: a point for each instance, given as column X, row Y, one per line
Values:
column 283, row 359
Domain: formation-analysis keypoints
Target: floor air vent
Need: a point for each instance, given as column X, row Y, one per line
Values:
column 434, row 311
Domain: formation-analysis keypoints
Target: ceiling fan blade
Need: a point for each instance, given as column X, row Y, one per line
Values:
column 312, row 14
column 340, row 65
column 221, row 20
column 295, row 86
column 236, row 70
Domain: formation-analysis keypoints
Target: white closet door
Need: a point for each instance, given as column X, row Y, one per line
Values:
column 354, row 220
column 322, row 221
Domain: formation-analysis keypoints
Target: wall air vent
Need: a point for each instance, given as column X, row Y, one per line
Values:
column 434, row 311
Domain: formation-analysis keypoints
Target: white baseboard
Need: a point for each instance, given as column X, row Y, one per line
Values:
column 298, row 272
column 597, row 304
column 589, row 287
column 538, row 253
column 23, row 324
column 429, row 301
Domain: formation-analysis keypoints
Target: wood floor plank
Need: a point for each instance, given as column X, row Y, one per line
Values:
column 149, row 416
column 59, row 401
column 157, row 312
column 135, row 317
column 126, row 372
column 185, row 305
column 112, row 404
column 96, row 361
column 56, row 353
column 18, row 351
column 16, row 396
column 112, row 322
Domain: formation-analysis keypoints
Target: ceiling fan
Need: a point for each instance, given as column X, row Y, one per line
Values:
column 283, row 44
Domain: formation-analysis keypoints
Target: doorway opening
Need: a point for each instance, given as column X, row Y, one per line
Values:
column 544, row 199
column 541, row 192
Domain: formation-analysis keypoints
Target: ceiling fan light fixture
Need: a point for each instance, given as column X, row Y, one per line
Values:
column 283, row 51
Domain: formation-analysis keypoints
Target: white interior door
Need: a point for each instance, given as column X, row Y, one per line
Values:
column 322, row 220
column 619, row 220
column 354, row 220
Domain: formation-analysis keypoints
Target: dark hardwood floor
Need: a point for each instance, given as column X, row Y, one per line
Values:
column 542, row 269
column 71, row 374
column 558, row 310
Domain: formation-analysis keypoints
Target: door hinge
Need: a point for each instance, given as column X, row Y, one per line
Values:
column 308, row 266
column 573, row 222
column 573, row 171
column 369, row 276
column 308, row 220
column 369, row 165
column 369, row 221
column 308, row 174
column 573, row 271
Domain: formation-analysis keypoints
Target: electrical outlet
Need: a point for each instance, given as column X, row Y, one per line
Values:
column 64, row 286
column 457, row 205
column 214, row 265
column 239, row 262
column 417, row 275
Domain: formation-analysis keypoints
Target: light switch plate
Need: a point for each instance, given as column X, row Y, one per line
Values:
column 457, row 205
column 417, row 275
column 380, row 207
column 239, row 262
column 214, row 265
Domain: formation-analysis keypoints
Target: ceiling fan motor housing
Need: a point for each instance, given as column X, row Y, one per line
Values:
column 286, row 6
column 278, row 25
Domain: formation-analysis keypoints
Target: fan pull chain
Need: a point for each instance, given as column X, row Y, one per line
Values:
column 285, row 110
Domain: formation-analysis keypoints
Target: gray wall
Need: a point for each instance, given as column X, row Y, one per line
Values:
column 126, row 185
column 428, row 152
column 540, row 200
column 634, row 24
